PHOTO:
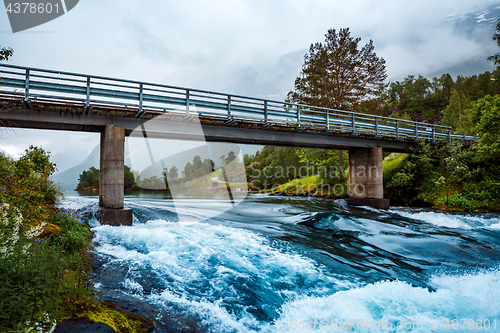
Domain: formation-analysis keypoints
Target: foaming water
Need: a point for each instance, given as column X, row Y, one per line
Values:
column 387, row 305
column 464, row 221
column 212, row 271
column 278, row 264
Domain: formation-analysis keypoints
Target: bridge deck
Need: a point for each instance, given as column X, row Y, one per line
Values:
column 38, row 98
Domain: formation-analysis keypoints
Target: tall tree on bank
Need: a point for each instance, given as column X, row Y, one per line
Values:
column 339, row 74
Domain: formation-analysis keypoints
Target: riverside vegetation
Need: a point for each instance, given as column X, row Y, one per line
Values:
column 446, row 176
column 45, row 267
column 339, row 74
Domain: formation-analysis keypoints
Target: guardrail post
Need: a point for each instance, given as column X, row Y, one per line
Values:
column 26, row 102
column 265, row 112
column 187, row 102
column 141, row 89
column 376, row 126
column 140, row 112
column 353, row 123
column 87, row 99
column 86, row 108
column 229, row 106
column 27, row 85
column 416, row 132
column 397, row 129
column 449, row 135
column 327, row 120
column 433, row 133
column 298, row 115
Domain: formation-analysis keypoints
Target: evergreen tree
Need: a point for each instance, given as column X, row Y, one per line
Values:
column 197, row 163
column 89, row 178
column 188, row 171
column 339, row 74
column 128, row 178
column 173, row 173
column 485, row 115
column 456, row 115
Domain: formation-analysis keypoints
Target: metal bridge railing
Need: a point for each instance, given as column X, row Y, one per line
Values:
column 145, row 97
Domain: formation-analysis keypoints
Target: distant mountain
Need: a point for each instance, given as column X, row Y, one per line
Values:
column 67, row 159
column 477, row 25
column 68, row 180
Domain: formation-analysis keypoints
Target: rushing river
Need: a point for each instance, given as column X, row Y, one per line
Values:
column 279, row 264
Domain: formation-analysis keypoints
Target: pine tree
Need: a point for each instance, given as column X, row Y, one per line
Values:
column 338, row 74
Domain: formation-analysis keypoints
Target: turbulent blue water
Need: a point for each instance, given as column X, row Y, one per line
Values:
column 287, row 264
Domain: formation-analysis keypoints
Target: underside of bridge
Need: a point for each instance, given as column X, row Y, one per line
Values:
column 365, row 178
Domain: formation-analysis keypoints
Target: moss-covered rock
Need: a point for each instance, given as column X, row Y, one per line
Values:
column 119, row 322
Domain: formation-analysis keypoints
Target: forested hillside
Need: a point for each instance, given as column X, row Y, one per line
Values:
column 442, row 100
column 446, row 175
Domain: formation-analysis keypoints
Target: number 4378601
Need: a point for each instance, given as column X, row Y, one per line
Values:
column 32, row 8
column 470, row 324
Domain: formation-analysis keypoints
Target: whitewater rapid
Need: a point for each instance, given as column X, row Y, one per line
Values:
column 286, row 265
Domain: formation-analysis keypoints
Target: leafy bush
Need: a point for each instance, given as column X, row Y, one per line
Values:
column 89, row 178
column 450, row 176
column 410, row 177
column 457, row 200
column 74, row 236
column 44, row 273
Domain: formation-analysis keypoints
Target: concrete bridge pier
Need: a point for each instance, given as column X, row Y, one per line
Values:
column 366, row 183
column 111, row 180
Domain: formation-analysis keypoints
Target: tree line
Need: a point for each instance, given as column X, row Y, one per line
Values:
column 89, row 179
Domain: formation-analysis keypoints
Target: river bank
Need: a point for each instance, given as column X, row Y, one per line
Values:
column 421, row 178
column 45, row 254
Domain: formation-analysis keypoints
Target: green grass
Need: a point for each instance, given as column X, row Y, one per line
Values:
column 297, row 186
column 206, row 182
column 392, row 162
column 309, row 186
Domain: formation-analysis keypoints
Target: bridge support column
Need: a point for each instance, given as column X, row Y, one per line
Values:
column 366, row 183
column 111, row 181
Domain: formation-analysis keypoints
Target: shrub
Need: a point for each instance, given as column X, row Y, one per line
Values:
column 44, row 272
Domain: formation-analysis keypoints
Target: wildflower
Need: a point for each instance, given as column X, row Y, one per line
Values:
column 10, row 223
column 35, row 231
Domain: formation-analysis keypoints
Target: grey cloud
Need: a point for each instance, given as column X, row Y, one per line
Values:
column 247, row 47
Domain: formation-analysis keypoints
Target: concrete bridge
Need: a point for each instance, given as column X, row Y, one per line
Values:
column 48, row 99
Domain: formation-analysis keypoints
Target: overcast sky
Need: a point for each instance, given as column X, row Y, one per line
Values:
column 251, row 47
